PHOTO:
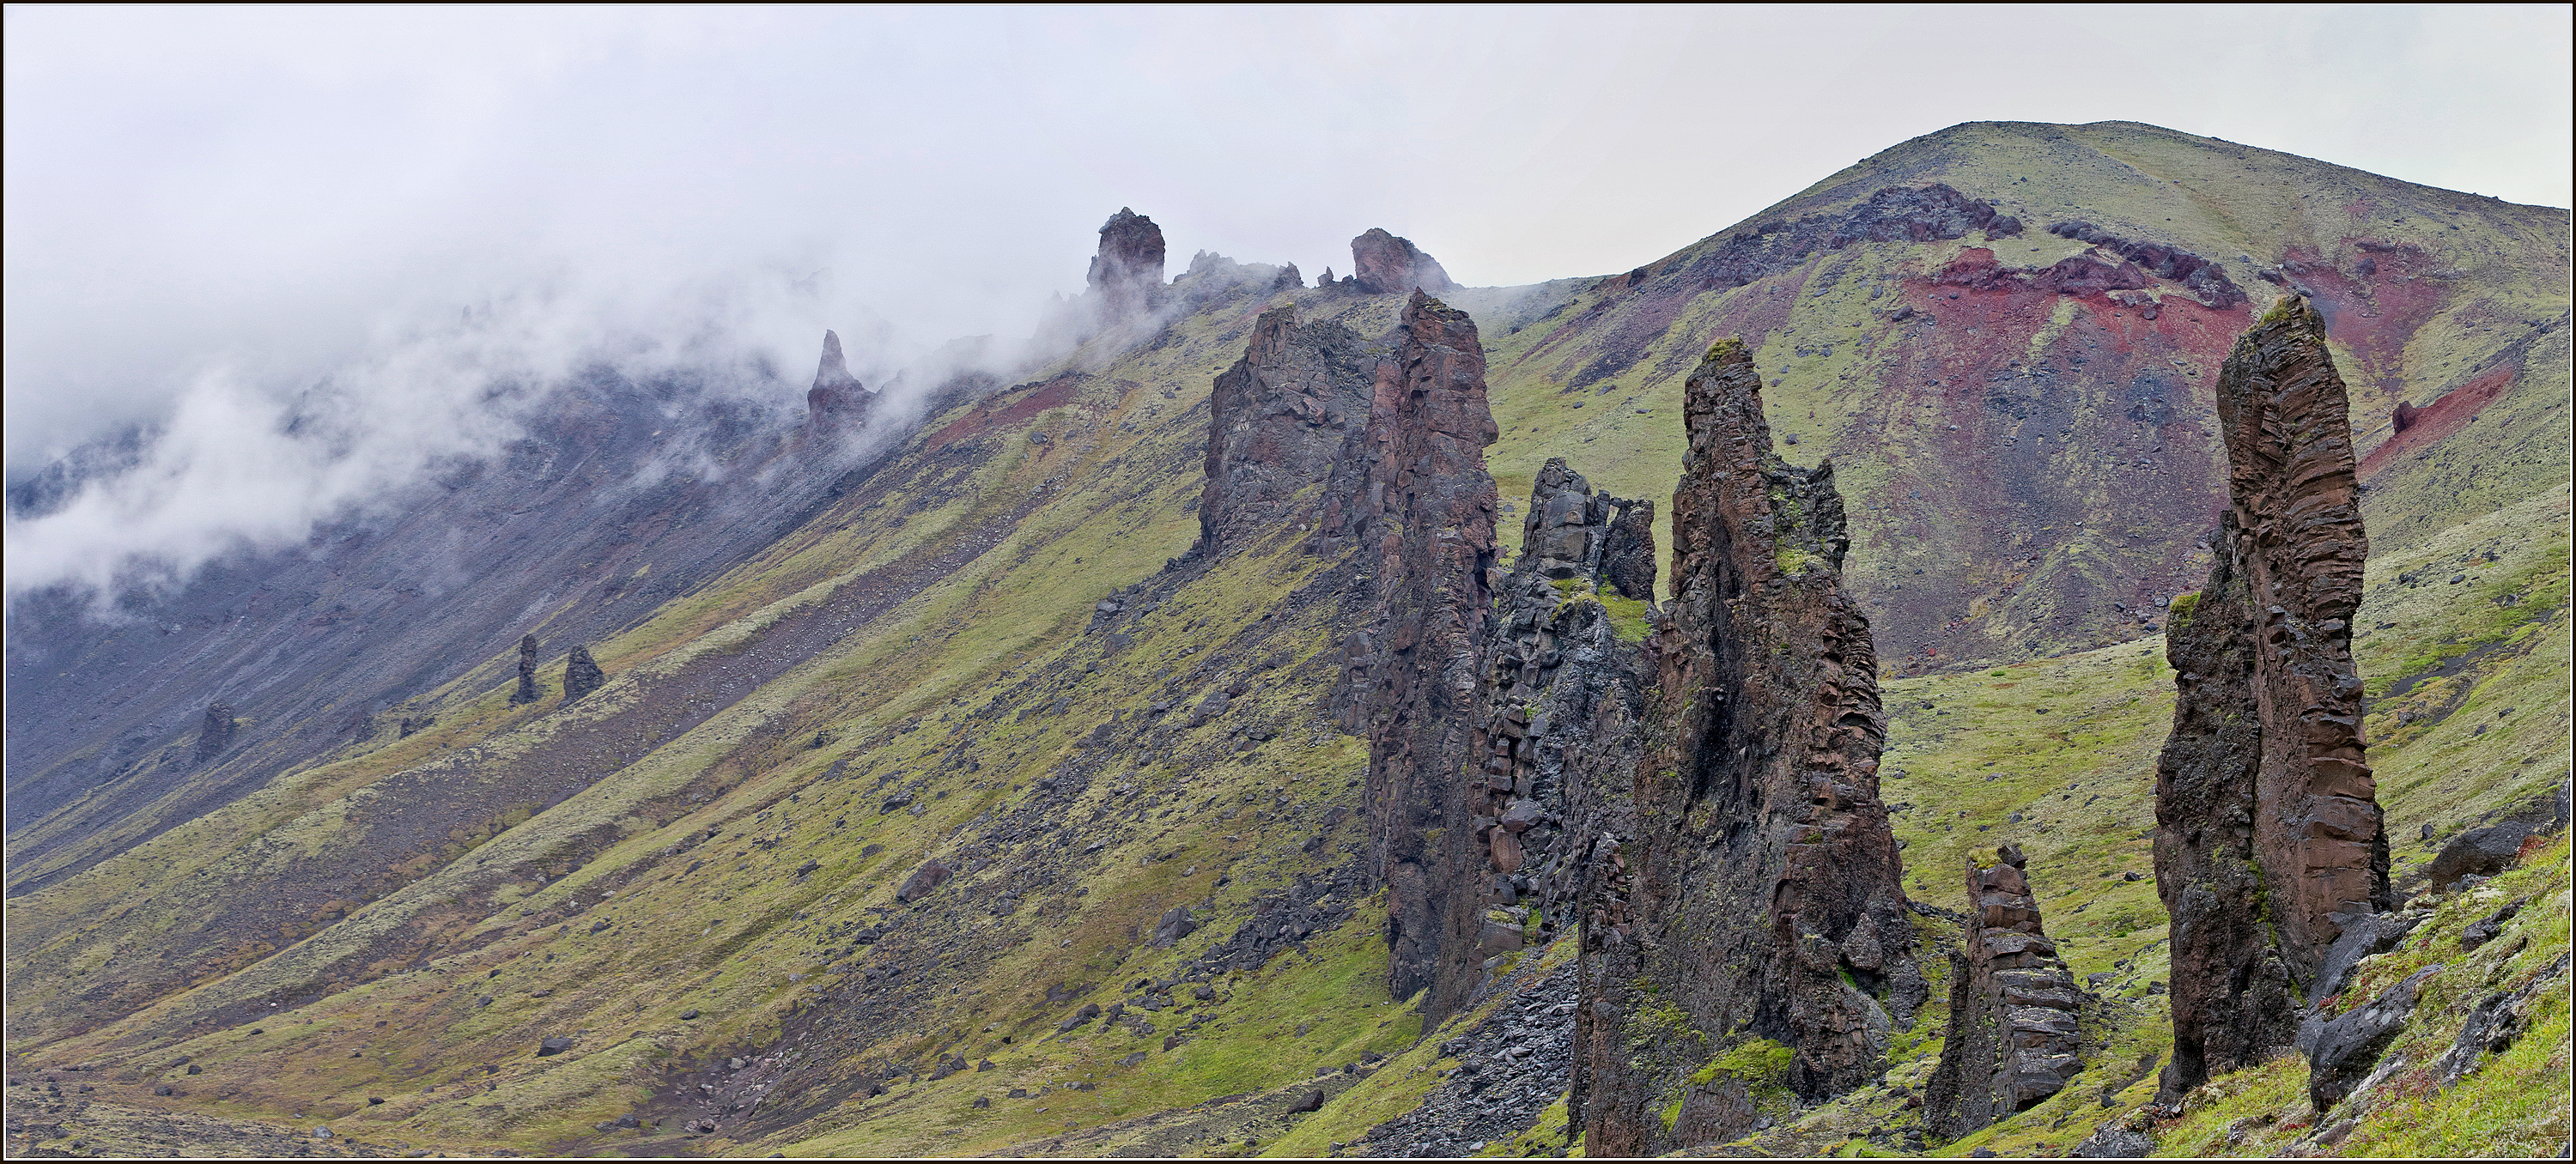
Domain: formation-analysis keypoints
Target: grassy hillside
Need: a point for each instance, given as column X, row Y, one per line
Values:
column 694, row 879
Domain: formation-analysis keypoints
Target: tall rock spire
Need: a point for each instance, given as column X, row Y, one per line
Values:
column 1422, row 498
column 837, row 400
column 2268, row 834
column 1128, row 271
column 1759, row 898
column 527, row 691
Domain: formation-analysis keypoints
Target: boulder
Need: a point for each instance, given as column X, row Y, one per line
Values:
column 2349, row 1046
column 930, row 876
column 2482, row 852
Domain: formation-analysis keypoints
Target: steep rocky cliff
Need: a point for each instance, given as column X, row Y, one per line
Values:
column 1421, row 505
column 2013, row 1037
column 1278, row 419
column 2268, row 833
column 1762, row 889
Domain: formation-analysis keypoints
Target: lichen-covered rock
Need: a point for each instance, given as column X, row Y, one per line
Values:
column 1277, row 420
column 1128, row 271
column 837, row 401
column 581, row 674
column 2268, row 835
column 2013, row 1038
column 1385, row 264
column 1759, row 898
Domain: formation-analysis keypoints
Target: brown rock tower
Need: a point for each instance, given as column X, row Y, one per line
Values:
column 2268, row 833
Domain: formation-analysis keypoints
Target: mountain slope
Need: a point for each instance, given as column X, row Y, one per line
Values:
column 977, row 743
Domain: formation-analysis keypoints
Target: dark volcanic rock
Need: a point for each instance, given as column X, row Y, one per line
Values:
column 2350, row 1046
column 1560, row 702
column 2206, row 280
column 1416, row 490
column 1278, row 418
column 581, row 675
column 528, row 691
column 215, row 732
column 1128, row 271
column 2268, row 835
column 837, row 400
column 2012, row 1040
column 1384, row 264
column 1760, row 897
column 2484, row 851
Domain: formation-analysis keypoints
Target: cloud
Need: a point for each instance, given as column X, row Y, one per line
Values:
column 212, row 211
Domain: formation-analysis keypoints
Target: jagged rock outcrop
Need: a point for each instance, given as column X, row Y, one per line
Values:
column 1128, row 271
column 528, row 691
column 215, row 732
column 837, row 400
column 581, row 675
column 2268, row 834
column 1561, row 681
column 1278, row 419
column 2013, row 1038
column 1756, row 916
column 1415, row 491
column 1385, row 264
column 2207, row 281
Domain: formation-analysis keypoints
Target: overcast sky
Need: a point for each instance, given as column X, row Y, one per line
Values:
column 209, row 208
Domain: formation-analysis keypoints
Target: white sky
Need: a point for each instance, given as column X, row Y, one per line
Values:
column 264, row 197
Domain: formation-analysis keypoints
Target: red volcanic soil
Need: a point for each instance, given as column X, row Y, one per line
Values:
column 2431, row 424
column 993, row 416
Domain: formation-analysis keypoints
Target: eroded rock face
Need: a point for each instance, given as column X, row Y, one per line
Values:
column 215, row 732
column 1129, row 268
column 1416, row 492
column 2268, row 833
column 1762, row 873
column 837, row 400
column 528, row 691
column 1562, row 684
column 1278, row 419
column 581, row 674
column 1383, row 264
column 2012, row 1039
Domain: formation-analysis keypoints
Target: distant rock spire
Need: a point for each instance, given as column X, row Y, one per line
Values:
column 1129, row 268
column 581, row 675
column 1384, row 263
column 216, row 733
column 837, row 399
column 528, row 691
